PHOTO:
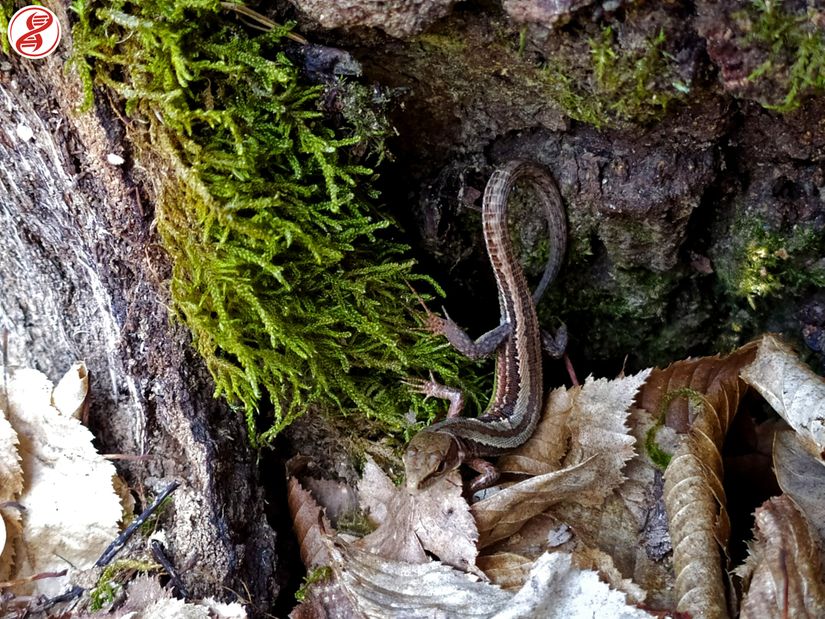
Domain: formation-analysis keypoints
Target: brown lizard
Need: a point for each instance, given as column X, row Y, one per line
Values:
column 515, row 407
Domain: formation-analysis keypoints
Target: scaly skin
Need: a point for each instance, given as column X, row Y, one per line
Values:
column 515, row 408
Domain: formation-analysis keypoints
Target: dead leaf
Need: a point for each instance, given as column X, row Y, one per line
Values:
column 506, row 569
column 381, row 587
column 795, row 392
column 555, row 589
column 309, row 523
column 783, row 574
column 698, row 398
column 71, row 510
column 801, row 477
column 11, row 485
column 436, row 519
column 71, row 392
column 599, row 446
column 324, row 598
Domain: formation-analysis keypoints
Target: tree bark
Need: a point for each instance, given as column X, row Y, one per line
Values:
column 82, row 276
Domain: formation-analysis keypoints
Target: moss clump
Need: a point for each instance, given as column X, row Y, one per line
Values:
column 622, row 86
column 794, row 47
column 6, row 11
column 109, row 585
column 283, row 270
column 763, row 263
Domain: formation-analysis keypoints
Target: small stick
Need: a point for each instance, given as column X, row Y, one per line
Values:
column 121, row 539
column 159, row 552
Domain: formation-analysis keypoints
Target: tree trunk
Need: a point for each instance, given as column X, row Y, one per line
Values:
column 83, row 277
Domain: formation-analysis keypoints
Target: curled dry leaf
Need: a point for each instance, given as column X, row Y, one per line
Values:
column 699, row 398
column 11, row 485
column 71, row 510
column 325, row 598
column 71, row 392
column 783, row 574
column 795, row 392
column 309, row 523
column 801, row 477
column 436, row 519
column 599, row 445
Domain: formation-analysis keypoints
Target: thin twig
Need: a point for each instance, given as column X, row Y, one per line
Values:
column 121, row 540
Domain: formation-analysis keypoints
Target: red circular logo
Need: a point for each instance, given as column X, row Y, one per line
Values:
column 34, row 32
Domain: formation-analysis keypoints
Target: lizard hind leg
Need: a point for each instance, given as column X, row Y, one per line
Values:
column 487, row 476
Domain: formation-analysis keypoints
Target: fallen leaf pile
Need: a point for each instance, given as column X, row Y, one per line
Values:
column 58, row 503
column 616, row 507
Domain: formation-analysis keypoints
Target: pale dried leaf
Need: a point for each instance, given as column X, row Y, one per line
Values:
column 699, row 398
column 72, row 510
column 11, row 485
column 309, row 523
column 783, row 575
column 326, row 600
column 505, row 512
column 381, row 588
column 436, row 518
column 72, row 390
column 801, row 477
column 586, row 558
column 555, row 589
column 599, row 446
column 795, row 392
column 375, row 492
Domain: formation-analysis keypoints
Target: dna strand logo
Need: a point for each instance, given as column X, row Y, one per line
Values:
column 34, row 32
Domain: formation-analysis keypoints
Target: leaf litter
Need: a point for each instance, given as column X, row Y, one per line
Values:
column 615, row 507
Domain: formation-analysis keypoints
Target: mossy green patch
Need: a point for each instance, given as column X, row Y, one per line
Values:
column 795, row 49
column 284, row 270
column 109, row 585
column 321, row 574
column 763, row 263
column 622, row 86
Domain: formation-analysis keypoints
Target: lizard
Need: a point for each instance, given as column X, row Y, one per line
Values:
column 515, row 407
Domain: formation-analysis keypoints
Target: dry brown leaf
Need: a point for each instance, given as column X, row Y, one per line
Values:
column 699, row 398
column 325, row 598
column 802, row 477
column 599, row 446
column 309, row 523
column 783, row 574
column 508, row 570
column 436, row 519
column 71, row 510
column 795, row 392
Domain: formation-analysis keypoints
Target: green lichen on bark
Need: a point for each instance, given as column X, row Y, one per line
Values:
column 283, row 268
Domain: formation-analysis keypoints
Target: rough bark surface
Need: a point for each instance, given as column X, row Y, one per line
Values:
column 82, row 277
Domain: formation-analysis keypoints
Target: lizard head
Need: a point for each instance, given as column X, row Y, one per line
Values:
column 429, row 456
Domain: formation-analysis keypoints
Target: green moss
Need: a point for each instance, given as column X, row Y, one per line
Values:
column 622, row 85
column 763, row 263
column 283, row 268
column 6, row 11
column 109, row 585
column 321, row 574
column 795, row 49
